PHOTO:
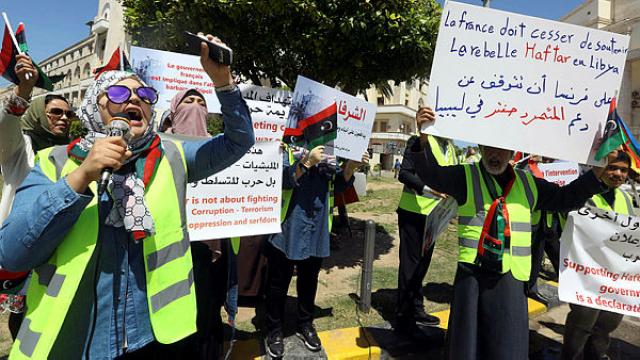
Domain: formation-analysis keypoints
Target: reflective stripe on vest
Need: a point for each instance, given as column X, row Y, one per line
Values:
column 471, row 217
column 288, row 193
column 424, row 204
column 621, row 204
column 169, row 270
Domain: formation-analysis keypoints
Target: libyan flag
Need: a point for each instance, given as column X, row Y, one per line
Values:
column 315, row 130
column 615, row 135
column 8, row 59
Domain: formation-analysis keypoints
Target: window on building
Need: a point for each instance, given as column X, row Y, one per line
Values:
column 383, row 126
column 380, row 100
column 86, row 72
column 76, row 74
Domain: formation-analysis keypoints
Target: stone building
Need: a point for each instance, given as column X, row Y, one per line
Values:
column 76, row 62
column 622, row 17
column 395, row 120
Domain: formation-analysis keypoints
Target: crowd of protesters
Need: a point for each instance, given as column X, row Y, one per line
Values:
column 112, row 274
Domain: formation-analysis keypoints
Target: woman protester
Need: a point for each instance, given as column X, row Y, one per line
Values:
column 188, row 116
column 308, row 182
column 25, row 128
column 113, row 276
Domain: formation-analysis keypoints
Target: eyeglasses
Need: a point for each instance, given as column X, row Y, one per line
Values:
column 59, row 112
column 119, row 94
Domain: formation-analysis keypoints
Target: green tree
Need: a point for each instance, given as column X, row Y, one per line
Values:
column 348, row 43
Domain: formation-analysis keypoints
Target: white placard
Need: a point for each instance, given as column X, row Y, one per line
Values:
column 600, row 261
column 523, row 83
column 244, row 199
column 355, row 116
column 560, row 172
column 170, row 73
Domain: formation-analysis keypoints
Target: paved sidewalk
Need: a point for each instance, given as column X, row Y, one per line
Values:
column 382, row 342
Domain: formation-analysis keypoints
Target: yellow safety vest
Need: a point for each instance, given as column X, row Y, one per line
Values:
column 621, row 204
column 471, row 216
column 425, row 203
column 288, row 193
column 167, row 258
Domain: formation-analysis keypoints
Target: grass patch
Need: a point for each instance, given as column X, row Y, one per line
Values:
column 381, row 201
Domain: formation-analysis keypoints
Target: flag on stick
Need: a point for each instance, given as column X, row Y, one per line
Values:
column 617, row 134
column 13, row 45
column 114, row 63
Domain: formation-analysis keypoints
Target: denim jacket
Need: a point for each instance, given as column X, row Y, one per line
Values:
column 44, row 212
column 305, row 231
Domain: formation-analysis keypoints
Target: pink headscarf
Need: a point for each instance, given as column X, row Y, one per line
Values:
column 188, row 119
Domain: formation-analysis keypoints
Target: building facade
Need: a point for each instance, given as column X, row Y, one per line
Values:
column 395, row 120
column 76, row 62
column 622, row 17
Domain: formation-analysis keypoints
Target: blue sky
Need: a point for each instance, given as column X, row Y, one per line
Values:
column 547, row 9
column 54, row 25
column 51, row 25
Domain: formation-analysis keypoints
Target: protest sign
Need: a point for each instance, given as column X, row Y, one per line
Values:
column 355, row 116
column 560, row 172
column 244, row 199
column 170, row 73
column 523, row 83
column 600, row 261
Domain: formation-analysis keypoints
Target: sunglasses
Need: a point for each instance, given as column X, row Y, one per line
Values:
column 119, row 94
column 59, row 112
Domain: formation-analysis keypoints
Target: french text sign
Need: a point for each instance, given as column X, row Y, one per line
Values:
column 600, row 261
column 560, row 172
column 170, row 72
column 523, row 83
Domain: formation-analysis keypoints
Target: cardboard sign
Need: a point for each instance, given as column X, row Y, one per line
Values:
column 523, row 83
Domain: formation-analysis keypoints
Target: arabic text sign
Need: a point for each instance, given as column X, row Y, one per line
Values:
column 355, row 116
column 561, row 173
column 243, row 199
column 170, row 73
column 523, row 83
column 600, row 261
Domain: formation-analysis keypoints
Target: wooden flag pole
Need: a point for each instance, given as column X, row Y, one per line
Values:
column 13, row 38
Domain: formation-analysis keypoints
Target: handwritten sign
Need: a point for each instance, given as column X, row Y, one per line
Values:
column 355, row 117
column 561, row 172
column 170, row 73
column 244, row 199
column 600, row 261
column 508, row 80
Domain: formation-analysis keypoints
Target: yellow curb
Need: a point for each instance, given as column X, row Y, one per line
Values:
column 444, row 318
column 349, row 344
column 536, row 307
column 552, row 283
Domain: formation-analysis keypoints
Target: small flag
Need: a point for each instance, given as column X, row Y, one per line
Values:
column 617, row 134
column 315, row 130
column 8, row 59
column 114, row 63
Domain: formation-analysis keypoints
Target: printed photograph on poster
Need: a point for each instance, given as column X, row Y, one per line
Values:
column 321, row 114
column 170, row 72
column 544, row 86
column 244, row 199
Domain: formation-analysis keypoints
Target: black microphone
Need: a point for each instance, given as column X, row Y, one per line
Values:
column 117, row 126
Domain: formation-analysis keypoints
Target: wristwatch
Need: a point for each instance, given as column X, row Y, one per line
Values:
column 228, row 87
